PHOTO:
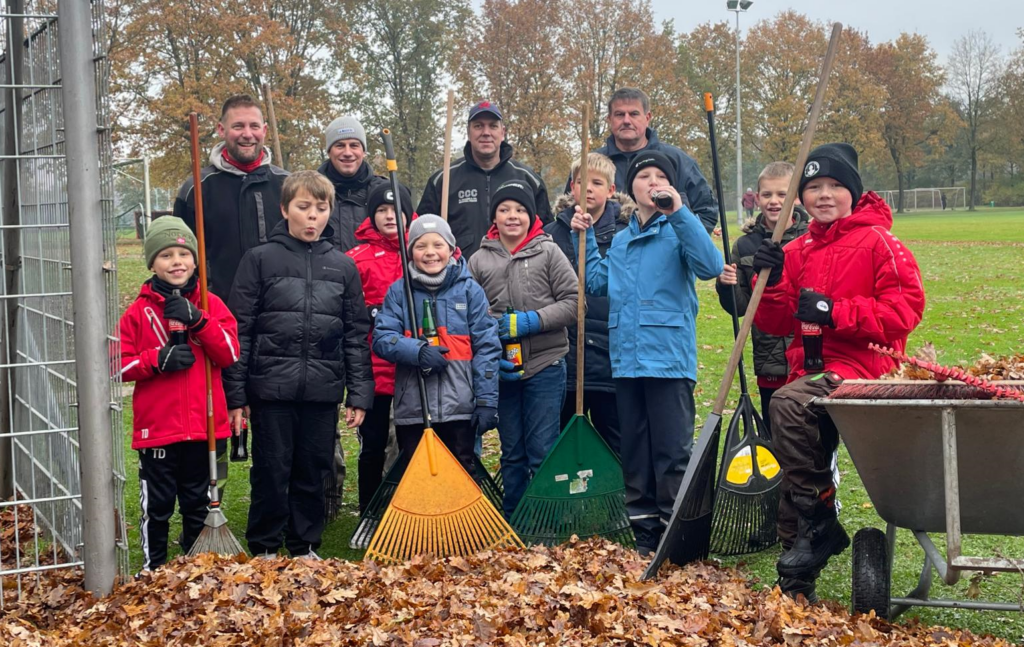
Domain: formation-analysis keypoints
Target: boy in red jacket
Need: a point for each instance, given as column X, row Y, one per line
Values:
column 852, row 278
column 165, row 338
column 379, row 264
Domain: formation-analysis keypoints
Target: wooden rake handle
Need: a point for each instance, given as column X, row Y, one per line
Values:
column 447, row 168
column 783, row 223
column 204, row 292
column 581, row 261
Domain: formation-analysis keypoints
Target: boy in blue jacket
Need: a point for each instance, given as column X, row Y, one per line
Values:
column 461, row 373
column 649, row 275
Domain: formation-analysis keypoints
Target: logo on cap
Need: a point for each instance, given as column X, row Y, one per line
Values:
column 644, row 161
column 811, row 169
column 180, row 239
column 389, row 196
column 430, row 225
column 343, row 131
column 822, row 305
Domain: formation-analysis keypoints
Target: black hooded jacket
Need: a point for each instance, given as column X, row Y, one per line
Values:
column 302, row 325
column 350, row 196
column 597, row 360
column 469, row 200
column 240, row 210
column 769, row 350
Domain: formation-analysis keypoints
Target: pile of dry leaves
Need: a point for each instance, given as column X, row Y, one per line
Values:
column 586, row 593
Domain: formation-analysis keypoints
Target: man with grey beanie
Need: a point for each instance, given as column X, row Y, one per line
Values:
column 353, row 179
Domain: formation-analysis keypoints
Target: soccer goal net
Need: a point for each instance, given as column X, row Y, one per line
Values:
column 930, row 199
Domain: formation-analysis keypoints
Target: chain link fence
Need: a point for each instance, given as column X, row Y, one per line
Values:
column 41, row 515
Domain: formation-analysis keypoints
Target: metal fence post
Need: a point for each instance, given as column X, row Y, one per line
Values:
column 14, row 60
column 89, row 295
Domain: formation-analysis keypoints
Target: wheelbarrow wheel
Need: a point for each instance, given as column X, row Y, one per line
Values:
column 870, row 573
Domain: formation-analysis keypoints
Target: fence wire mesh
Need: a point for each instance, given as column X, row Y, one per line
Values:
column 40, row 488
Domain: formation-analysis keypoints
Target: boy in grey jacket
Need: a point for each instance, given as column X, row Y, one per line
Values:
column 531, row 288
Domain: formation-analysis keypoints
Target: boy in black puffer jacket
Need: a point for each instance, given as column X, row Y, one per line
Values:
column 612, row 211
column 770, row 364
column 303, row 330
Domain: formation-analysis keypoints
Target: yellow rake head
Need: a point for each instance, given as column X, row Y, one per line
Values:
column 438, row 508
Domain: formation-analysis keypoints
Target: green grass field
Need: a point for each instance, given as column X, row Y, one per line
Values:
column 973, row 266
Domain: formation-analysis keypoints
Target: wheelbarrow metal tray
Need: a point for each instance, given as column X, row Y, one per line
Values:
column 897, row 448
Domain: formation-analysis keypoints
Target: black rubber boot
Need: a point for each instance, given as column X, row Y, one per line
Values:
column 819, row 536
column 794, row 588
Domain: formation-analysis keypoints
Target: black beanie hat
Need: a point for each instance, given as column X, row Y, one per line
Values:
column 644, row 159
column 520, row 192
column 837, row 161
column 382, row 194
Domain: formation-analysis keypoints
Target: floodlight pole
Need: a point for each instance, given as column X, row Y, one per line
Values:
column 737, row 8
column 148, row 205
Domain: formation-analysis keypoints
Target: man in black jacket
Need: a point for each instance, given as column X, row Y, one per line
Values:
column 629, row 116
column 241, row 192
column 486, row 164
column 353, row 179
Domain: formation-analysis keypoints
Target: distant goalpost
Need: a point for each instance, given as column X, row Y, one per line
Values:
column 929, row 199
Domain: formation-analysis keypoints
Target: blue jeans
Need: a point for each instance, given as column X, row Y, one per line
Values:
column 528, row 426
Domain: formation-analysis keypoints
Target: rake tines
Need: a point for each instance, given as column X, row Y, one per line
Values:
column 744, row 524
column 374, row 512
column 553, row 521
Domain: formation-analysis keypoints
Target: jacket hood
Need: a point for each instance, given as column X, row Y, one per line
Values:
column 799, row 217
column 871, row 211
column 217, row 160
column 537, row 230
column 279, row 234
column 367, row 233
column 504, row 154
column 652, row 142
column 564, row 207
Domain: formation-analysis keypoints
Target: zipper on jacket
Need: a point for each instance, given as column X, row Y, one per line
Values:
column 308, row 320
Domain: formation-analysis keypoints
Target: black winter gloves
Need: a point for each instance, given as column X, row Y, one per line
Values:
column 484, row 419
column 432, row 361
column 181, row 309
column 814, row 307
column 770, row 255
column 174, row 358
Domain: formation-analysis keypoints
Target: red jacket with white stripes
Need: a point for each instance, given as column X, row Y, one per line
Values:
column 171, row 407
column 872, row 279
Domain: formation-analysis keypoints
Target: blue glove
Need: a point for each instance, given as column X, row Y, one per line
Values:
column 484, row 419
column 509, row 372
column 432, row 360
column 518, row 324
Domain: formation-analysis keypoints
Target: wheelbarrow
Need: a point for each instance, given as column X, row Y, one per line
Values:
column 948, row 466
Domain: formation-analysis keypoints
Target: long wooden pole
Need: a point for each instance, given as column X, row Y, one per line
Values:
column 268, row 96
column 581, row 262
column 204, row 300
column 446, row 173
column 783, row 223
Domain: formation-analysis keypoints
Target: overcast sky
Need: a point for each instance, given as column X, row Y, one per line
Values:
column 942, row 21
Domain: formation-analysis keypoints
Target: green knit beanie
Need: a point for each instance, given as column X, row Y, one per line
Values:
column 168, row 231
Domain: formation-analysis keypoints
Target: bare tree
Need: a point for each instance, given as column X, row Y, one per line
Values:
column 973, row 74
